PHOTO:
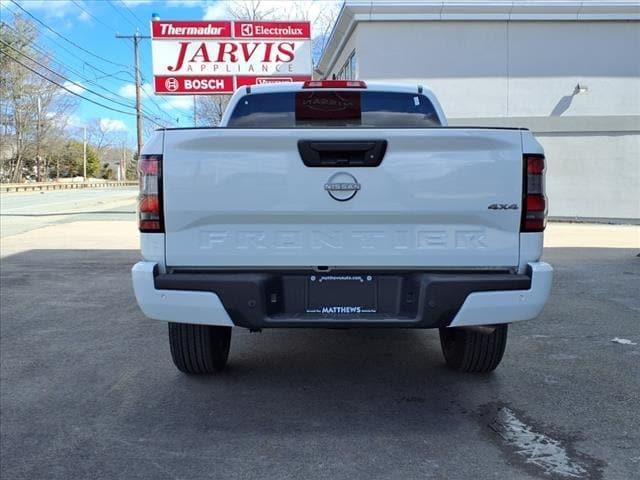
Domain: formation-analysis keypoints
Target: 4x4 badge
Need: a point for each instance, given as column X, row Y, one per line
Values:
column 503, row 206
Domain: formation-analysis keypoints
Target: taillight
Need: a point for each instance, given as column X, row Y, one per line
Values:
column 150, row 199
column 334, row 84
column 534, row 205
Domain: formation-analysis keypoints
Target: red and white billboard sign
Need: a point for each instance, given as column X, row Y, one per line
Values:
column 207, row 57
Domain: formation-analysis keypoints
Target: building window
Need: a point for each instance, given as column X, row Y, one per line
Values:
column 349, row 69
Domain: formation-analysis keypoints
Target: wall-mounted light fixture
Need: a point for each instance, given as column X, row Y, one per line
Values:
column 580, row 88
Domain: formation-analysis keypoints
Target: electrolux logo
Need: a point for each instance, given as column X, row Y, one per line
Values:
column 270, row 30
column 284, row 31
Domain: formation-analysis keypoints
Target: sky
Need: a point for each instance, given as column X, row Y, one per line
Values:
column 92, row 26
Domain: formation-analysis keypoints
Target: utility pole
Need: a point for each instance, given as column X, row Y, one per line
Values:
column 84, row 154
column 136, row 37
column 195, row 112
column 39, row 109
column 123, row 164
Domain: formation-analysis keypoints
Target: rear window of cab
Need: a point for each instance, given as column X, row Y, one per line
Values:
column 331, row 109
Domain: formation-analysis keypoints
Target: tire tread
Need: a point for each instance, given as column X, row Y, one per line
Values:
column 199, row 349
column 472, row 351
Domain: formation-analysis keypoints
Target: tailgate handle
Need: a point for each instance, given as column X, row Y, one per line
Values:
column 342, row 153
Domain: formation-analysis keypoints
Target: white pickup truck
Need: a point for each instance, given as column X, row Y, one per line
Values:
column 341, row 204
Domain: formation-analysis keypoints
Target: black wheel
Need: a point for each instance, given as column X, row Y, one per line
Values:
column 471, row 350
column 199, row 348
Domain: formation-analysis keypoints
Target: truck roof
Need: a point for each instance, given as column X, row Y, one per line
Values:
column 378, row 86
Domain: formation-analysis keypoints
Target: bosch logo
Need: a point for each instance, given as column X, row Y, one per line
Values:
column 171, row 84
column 342, row 186
column 246, row 30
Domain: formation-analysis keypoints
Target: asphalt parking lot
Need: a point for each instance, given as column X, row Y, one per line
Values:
column 88, row 389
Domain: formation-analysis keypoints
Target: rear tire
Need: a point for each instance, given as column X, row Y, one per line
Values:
column 199, row 348
column 468, row 350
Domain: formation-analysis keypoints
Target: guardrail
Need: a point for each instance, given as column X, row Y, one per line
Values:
column 32, row 187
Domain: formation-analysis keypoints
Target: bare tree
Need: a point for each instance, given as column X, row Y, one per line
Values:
column 101, row 136
column 322, row 15
column 323, row 25
column 249, row 10
column 31, row 105
column 211, row 108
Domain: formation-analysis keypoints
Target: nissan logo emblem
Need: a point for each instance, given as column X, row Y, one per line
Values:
column 342, row 186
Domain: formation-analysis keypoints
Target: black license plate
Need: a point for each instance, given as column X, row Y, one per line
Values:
column 342, row 294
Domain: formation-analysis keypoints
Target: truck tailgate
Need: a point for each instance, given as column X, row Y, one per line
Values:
column 439, row 198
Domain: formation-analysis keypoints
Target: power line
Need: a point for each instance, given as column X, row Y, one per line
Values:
column 146, row 64
column 77, row 94
column 160, row 108
column 67, row 79
column 75, row 56
column 106, row 74
column 48, row 55
column 144, row 60
column 146, row 114
column 164, row 101
column 71, row 42
column 132, row 13
column 80, row 75
column 92, row 15
column 120, row 13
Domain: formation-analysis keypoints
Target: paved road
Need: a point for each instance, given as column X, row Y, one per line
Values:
column 22, row 212
column 89, row 391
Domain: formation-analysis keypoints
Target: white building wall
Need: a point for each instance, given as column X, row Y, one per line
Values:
column 524, row 73
column 464, row 63
column 593, row 175
column 547, row 59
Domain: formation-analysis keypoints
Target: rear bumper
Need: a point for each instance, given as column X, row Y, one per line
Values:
column 405, row 299
column 203, row 308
